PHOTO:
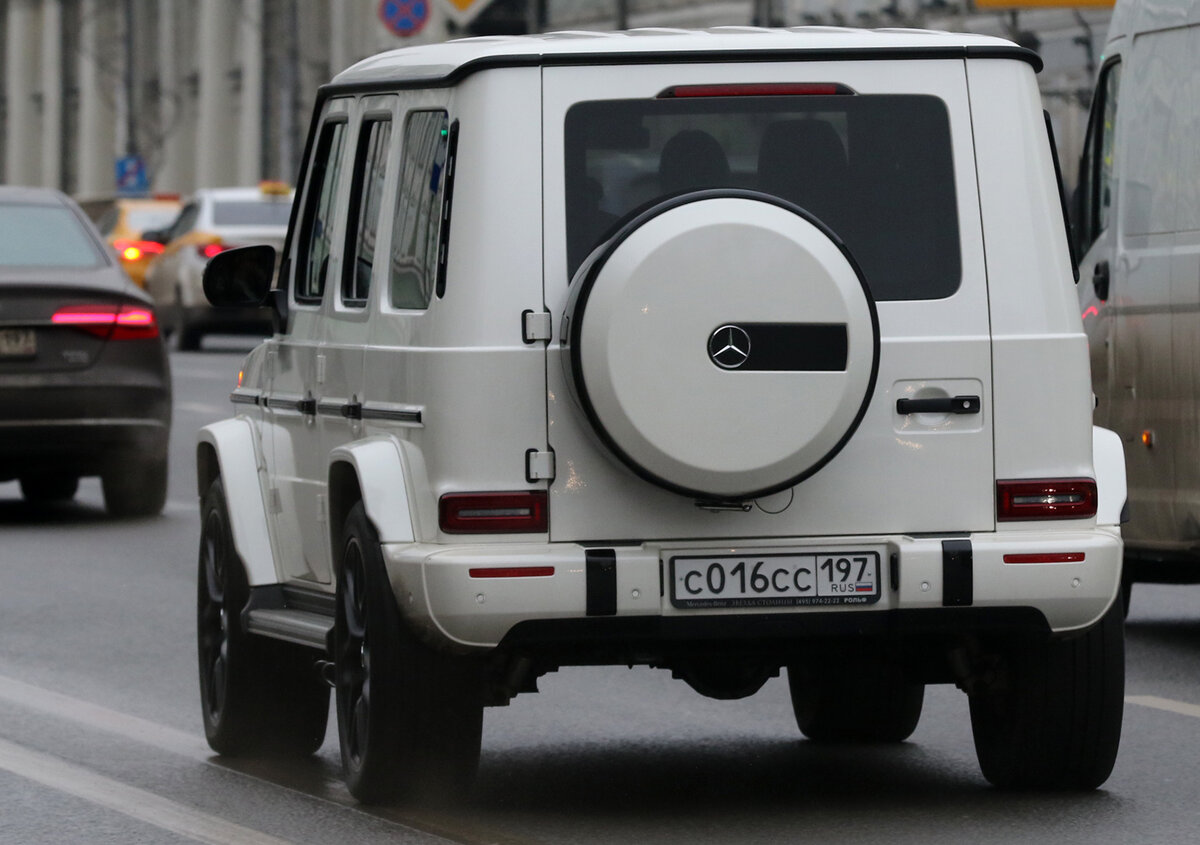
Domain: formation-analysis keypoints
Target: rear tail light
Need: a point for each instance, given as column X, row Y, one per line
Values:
column 136, row 250
column 129, row 322
column 494, row 513
column 209, row 250
column 757, row 89
column 1051, row 498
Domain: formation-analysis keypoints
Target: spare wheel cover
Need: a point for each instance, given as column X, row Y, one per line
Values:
column 723, row 344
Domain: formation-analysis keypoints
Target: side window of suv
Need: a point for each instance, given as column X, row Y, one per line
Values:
column 362, row 229
column 316, row 231
column 418, row 219
column 1097, row 170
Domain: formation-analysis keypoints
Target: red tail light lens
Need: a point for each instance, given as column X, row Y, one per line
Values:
column 757, row 89
column 129, row 322
column 209, row 250
column 1051, row 498
column 135, row 250
column 494, row 513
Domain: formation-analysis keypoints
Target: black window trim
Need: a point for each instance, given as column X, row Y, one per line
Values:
column 309, row 209
column 447, row 202
column 350, row 248
column 1089, row 213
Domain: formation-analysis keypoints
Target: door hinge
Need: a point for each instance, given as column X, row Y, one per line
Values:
column 535, row 326
column 539, row 466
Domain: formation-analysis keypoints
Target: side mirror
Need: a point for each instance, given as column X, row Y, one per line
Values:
column 240, row 277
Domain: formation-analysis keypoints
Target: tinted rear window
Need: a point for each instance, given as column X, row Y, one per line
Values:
column 876, row 169
column 252, row 213
column 44, row 236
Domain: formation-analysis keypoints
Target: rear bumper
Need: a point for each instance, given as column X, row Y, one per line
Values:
column 434, row 587
column 80, row 429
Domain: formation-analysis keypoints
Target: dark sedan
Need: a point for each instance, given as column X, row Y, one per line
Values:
column 85, row 387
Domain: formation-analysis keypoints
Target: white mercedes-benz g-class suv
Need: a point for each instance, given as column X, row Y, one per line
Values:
column 722, row 352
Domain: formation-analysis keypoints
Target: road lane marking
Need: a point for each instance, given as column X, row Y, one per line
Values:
column 1170, row 705
column 127, row 800
column 192, row 746
column 102, row 718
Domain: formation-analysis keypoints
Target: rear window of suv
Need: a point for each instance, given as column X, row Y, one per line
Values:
column 876, row 169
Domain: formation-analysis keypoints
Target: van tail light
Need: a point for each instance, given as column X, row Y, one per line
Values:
column 1050, row 498
column 756, row 89
column 494, row 513
column 136, row 250
column 207, row 251
column 129, row 322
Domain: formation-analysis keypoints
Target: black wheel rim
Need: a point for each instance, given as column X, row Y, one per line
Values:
column 353, row 658
column 213, row 617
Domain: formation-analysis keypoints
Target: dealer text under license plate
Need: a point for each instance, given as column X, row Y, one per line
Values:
column 775, row 580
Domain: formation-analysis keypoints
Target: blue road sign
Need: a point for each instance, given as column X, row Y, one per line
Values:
column 404, row 17
column 131, row 175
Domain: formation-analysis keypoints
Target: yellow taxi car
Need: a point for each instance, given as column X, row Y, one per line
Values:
column 211, row 221
column 124, row 220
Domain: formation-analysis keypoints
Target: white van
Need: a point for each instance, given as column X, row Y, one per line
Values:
column 1138, row 230
column 720, row 352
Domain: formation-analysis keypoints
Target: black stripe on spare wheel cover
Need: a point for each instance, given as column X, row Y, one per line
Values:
column 576, row 306
column 794, row 347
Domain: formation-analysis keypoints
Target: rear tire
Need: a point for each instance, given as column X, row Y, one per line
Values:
column 53, row 487
column 870, row 701
column 1054, row 721
column 138, row 488
column 410, row 718
column 256, row 695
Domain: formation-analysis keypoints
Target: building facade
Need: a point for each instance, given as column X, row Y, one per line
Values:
column 165, row 95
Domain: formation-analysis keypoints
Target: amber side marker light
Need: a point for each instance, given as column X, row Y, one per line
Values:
column 524, row 512
column 1048, row 498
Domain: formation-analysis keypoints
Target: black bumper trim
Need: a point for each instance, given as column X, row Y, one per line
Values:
column 581, row 641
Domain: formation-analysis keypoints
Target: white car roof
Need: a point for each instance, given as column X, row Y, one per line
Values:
column 434, row 63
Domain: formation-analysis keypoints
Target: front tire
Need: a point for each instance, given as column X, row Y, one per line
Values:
column 257, row 695
column 1054, row 720
column 869, row 701
column 410, row 718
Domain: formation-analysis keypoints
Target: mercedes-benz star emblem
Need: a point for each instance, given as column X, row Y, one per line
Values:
column 729, row 347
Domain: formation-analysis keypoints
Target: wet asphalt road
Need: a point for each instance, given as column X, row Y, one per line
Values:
column 100, row 736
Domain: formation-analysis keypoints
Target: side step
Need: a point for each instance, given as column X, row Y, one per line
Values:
column 290, row 613
column 301, row 627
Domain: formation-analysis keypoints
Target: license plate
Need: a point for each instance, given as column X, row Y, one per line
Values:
column 775, row 580
column 18, row 343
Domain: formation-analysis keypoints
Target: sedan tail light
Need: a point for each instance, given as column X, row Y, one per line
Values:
column 1048, row 498
column 129, row 322
column 207, row 251
column 494, row 513
column 136, row 250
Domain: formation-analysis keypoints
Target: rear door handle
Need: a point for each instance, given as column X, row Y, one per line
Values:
column 941, row 405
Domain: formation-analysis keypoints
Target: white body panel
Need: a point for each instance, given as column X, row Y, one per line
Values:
column 236, row 446
column 459, row 398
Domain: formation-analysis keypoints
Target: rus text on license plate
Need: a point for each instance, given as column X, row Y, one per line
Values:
column 775, row 580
